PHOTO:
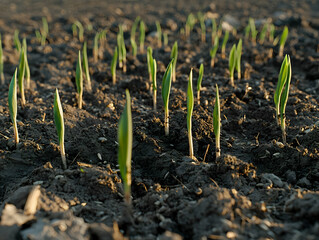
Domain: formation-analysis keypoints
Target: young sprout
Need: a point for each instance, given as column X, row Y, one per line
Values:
column 59, row 125
column 134, row 26
column 281, row 94
column 142, row 36
column 86, row 67
column 199, row 82
column 201, row 19
column 149, row 63
column 174, row 55
column 16, row 40
column 166, row 88
column 238, row 58
column 190, row 22
column 125, row 140
column 213, row 51
column 217, row 123
column 12, row 100
column 113, row 66
column 121, row 48
column 247, row 31
column 21, row 75
column 253, row 30
column 44, row 31
column 154, row 84
column 283, row 40
column 224, row 43
column 1, row 63
column 190, row 107
column 214, row 30
column 263, row 33
column 165, row 39
column 27, row 68
column 81, row 30
column 102, row 38
column 79, row 80
column 134, row 47
column 232, row 64
column 159, row 34
column 220, row 28
column 96, row 47
column 271, row 32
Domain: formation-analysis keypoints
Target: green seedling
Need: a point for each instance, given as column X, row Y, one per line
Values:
column 190, row 22
column 27, row 68
column 253, row 30
column 159, row 34
column 281, row 94
column 217, row 123
column 16, row 40
column 22, row 67
column 142, row 36
column 154, row 84
column 263, row 33
column 12, row 100
column 232, row 64
column 102, row 39
column 220, row 28
column 59, row 125
column 272, row 32
column 79, row 80
column 174, row 55
column 201, row 19
column 247, row 31
column 121, row 49
column 96, row 47
column 149, row 56
column 78, row 25
column 199, row 82
column 113, row 65
column 44, row 31
column 166, row 88
column 1, row 63
column 214, row 30
column 213, row 51
column 223, row 50
column 125, row 140
column 86, row 67
column 283, row 40
column 238, row 58
column 165, row 38
column 134, row 47
column 190, row 108
column 134, row 26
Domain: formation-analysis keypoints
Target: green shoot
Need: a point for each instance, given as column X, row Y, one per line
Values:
column 283, row 40
column 1, row 63
column 190, row 107
column 263, row 33
column 190, row 22
column 134, row 47
column 12, row 100
column 232, row 64
column 21, row 75
column 125, row 140
column 121, row 49
column 113, row 66
column 199, row 82
column 134, row 26
column 27, row 68
column 159, row 34
column 220, row 28
column 217, row 123
column 38, row 35
column 247, row 31
column 201, row 19
column 86, row 67
column 271, row 32
column 166, row 88
column 238, row 58
column 81, row 30
column 59, row 125
column 214, row 30
column 174, row 55
column 213, row 51
column 142, row 36
column 79, row 80
column 253, row 30
column 149, row 63
column 16, row 40
column 96, row 47
column 224, row 44
column 165, row 38
column 44, row 31
column 154, row 84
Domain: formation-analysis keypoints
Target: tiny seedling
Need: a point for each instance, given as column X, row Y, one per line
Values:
column 217, row 123
column 113, row 66
column 21, row 75
column 223, row 51
column 214, row 30
column 16, row 40
column 12, row 100
column 166, row 88
column 154, row 84
column 272, row 32
column 1, row 63
column 149, row 56
column 283, row 40
column 134, row 26
column 232, row 64
column 174, row 55
column 59, row 125
column 253, row 30
column 78, row 25
column 190, row 108
column 121, row 49
column 125, row 140
column 79, row 80
column 247, row 31
column 134, row 47
column 201, row 19
column 238, row 58
column 220, row 28
column 213, row 51
column 190, row 22
column 96, row 47
column 159, row 34
column 263, row 33
column 165, row 38
column 44, row 31
column 199, row 82
column 86, row 67
column 27, row 68
column 142, row 36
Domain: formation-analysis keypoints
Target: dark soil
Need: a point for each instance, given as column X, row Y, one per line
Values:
column 257, row 189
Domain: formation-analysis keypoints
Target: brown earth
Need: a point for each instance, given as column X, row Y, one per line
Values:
column 257, row 189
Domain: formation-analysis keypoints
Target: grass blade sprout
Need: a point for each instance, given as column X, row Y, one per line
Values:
column 201, row 19
column 166, row 88
column 214, row 30
column 86, row 67
column 217, row 123
column 174, row 55
column 283, row 40
column 59, row 125
column 253, row 30
column 44, row 31
column 125, row 140
column 199, row 82
column 21, row 76
column 81, row 30
column 149, row 57
column 27, row 68
column 154, row 84
column 238, row 58
column 16, row 40
column 190, row 22
column 190, row 108
column 232, row 64
column 142, row 36
column 12, row 100
column 165, row 38
column 213, row 51
column 79, row 80
column 113, row 66
column 263, row 33
column 159, row 34
column 96, row 47
column 224, row 44
column 1, row 63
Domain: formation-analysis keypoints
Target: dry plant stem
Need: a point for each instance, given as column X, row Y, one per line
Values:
column 95, row 53
column 124, row 66
column 270, row 53
column 239, row 74
column 217, row 147
column 154, row 99
column 166, row 122
column 190, row 143
column 212, row 62
column 80, row 101
column 114, row 79
column 198, row 97
column 203, row 38
column 62, row 151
